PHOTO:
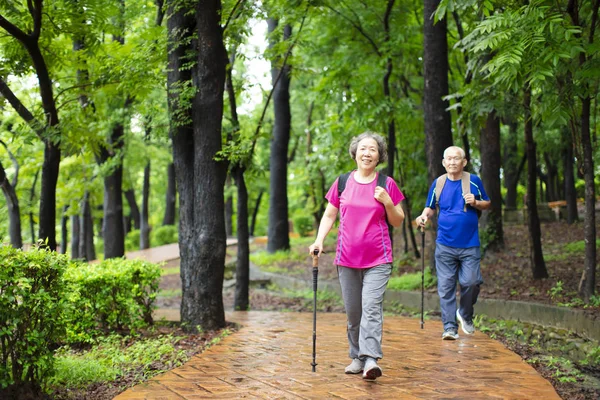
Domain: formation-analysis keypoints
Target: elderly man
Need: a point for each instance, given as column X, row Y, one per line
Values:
column 458, row 197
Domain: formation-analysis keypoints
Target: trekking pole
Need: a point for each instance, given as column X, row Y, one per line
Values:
column 422, row 272
column 315, row 277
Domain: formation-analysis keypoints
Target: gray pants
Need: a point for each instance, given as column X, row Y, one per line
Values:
column 362, row 290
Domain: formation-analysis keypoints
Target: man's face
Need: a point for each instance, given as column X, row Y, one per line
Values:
column 453, row 161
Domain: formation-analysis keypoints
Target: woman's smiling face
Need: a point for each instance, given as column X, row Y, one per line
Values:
column 367, row 154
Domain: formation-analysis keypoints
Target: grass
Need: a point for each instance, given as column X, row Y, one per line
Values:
column 115, row 356
column 411, row 281
column 170, row 271
column 263, row 258
column 169, row 293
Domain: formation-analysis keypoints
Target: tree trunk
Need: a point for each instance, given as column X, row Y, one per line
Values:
column 569, row 177
column 228, row 209
column 552, row 178
column 200, row 178
column 255, row 212
column 86, row 231
column 75, row 237
column 278, row 230
column 511, row 166
column 31, row 198
column 587, row 285
column 438, row 131
column 491, row 221
column 536, row 257
column 14, row 213
column 64, row 233
column 242, row 270
column 169, row 218
column 113, row 227
column 134, row 211
column 144, row 223
column 47, row 215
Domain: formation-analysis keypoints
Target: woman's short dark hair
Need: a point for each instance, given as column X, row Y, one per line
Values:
column 381, row 145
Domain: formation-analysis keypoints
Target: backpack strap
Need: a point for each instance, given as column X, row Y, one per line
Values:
column 343, row 178
column 466, row 185
column 382, row 180
column 439, row 185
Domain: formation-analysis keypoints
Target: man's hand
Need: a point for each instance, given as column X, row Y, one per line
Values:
column 470, row 199
column 421, row 221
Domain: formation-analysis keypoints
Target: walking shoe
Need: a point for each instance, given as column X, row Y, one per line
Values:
column 466, row 326
column 450, row 334
column 372, row 370
column 355, row 367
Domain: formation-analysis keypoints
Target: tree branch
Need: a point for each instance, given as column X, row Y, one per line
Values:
column 15, row 164
column 357, row 27
column 233, row 10
column 264, row 111
column 19, row 107
column 13, row 30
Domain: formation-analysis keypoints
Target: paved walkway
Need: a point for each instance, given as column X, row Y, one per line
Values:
column 270, row 358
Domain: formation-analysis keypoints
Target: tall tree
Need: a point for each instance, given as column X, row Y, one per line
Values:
column 438, row 132
column 587, row 285
column 12, row 202
column 196, row 141
column 569, row 177
column 49, row 129
column 536, row 256
column 170, row 196
column 278, row 232
column 490, row 175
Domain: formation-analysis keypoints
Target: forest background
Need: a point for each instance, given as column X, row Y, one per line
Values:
column 129, row 124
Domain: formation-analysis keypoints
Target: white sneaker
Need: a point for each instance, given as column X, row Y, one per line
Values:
column 355, row 367
column 372, row 370
column 466, row 326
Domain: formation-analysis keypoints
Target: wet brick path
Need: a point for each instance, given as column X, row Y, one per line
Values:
column 270, row 358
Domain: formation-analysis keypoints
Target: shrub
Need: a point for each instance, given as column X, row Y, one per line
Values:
column 31, row 314
column 303, row 224
column 165, row 234
column 132, row 240
column 116, row 294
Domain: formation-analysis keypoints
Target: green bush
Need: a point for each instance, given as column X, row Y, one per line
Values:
column 113, row 295
column 31, row 315
column 165, row 234
column 132, row 240
column 303, row 225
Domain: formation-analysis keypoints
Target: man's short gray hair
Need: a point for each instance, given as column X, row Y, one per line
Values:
column 381, row 145
column 463, row 155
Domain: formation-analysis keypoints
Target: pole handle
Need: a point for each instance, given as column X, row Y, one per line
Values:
column 315, row 257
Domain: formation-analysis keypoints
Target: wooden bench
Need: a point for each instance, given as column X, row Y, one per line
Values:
column 556, row 206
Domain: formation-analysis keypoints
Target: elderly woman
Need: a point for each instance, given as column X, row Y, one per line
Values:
column 364, row 249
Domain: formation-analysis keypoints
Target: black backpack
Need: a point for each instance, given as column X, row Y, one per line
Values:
column 381, row 181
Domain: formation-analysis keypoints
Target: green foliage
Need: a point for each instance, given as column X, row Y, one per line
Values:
column 263, row 258
column 113, row 295
column 132, row 240
column 556, row 290
column 303, row 224
column 31, row 314
column 579, row 246
column 412, row 281
column 165, row 234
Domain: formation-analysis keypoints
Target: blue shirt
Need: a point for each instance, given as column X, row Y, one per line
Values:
column 457, row 228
